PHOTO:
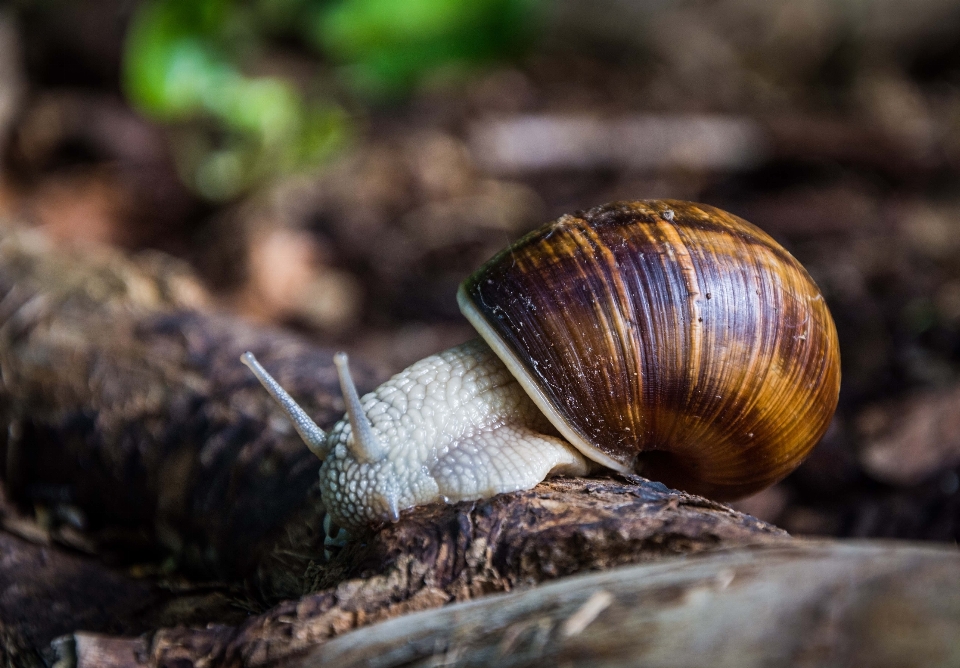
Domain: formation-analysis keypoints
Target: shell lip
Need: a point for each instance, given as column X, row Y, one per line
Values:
column 530, row 386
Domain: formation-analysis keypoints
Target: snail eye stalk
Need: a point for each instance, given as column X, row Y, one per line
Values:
column 312, row 435
column 363, row 444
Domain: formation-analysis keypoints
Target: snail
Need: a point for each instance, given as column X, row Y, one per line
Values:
column 661, row 337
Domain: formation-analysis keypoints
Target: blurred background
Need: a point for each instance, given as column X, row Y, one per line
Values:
column 338, row 166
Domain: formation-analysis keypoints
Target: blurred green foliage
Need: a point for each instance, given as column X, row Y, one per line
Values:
column 389, row 45
column 185, row 64
column 182, row 65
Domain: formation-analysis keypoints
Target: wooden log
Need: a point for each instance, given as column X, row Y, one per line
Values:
column 132, row 428
column 48, row 592
column 131, row 422
column 439, row 554
column 804, row 604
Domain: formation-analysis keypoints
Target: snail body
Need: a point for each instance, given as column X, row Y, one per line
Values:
column 663, row 337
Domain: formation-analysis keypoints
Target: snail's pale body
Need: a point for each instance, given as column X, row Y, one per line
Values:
column 455, row 426
column 660, row 336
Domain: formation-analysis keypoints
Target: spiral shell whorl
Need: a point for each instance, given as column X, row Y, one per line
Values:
column 668, row 336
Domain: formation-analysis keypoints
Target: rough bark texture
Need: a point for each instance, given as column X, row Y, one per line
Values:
column 797, row 603
column 132, row 426
column 47, row 592
column 805, row 604
column 441, row 554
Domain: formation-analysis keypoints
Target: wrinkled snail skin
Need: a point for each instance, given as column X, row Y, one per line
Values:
column 456, row 426
column 664, row 337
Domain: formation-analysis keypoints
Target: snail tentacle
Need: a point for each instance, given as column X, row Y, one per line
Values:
column 312, row 435
column 364, row 444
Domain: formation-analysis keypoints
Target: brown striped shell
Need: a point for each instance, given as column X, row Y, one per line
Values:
column 666, row 337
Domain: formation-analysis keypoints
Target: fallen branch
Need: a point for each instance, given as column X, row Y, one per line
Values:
column 48, row 592
column 441, row 554
column 132, row 428
column 829, row 603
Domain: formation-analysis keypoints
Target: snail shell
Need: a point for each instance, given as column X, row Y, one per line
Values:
column 666, row 337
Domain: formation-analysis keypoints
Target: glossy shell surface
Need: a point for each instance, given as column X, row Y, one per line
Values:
column 667, row 337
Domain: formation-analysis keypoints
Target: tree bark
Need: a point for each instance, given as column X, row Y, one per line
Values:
column 798, row 603
column 803, row 604
column 436, row 555
column 133, row 430
column 48, row 592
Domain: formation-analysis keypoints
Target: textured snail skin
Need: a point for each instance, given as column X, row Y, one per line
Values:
column 665, row 337
column 456, row 426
